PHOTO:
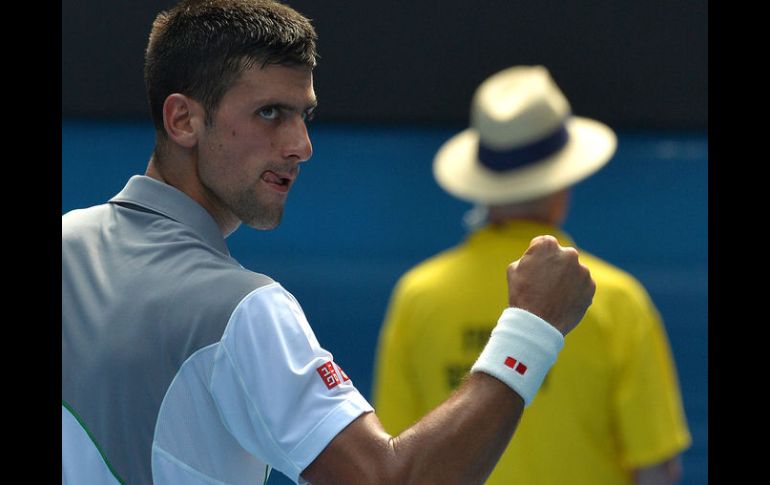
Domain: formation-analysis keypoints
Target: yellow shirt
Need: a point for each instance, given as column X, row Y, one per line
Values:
column 611, row 402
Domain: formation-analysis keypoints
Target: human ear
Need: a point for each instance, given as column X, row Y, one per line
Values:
column 182, row 117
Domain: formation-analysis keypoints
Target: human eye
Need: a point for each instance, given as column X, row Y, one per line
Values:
column 309, row 114
column 269, row 112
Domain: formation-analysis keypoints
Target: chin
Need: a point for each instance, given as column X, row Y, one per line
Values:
column 261, row 216
column 264, row 223
column 263, row 227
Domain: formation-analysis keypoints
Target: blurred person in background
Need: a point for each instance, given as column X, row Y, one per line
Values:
column 610, row 410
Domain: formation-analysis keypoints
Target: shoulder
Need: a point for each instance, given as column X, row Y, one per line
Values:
column 621, row 303
column 270, row 314
column 611, row 279
column 75, row 221
column 213, row 283
column 434, row 271
column 225, row 272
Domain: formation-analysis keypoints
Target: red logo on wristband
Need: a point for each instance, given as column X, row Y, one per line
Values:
column 515, row 365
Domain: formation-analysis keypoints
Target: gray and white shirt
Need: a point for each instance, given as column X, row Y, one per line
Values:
column 179, row 365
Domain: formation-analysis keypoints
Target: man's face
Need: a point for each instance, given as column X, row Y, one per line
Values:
column 249, row 157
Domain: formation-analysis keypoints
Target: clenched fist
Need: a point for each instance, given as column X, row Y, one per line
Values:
column 549, row 281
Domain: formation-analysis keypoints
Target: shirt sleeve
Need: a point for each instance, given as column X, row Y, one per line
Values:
column 651, row 420
column 279, row 393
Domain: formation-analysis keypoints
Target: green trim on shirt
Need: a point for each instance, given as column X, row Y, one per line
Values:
column 91, row 437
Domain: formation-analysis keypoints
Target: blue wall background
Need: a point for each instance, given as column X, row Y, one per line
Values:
column 366, row 208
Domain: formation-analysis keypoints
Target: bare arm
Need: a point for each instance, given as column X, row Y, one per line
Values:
column 668, row 472
column 461, row 440
column 458, row 442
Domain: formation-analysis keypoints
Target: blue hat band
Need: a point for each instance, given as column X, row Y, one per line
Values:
column 504, row 160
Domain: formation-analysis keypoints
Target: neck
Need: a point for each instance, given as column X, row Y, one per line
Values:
column 551, row 209
column 168, row 172
column 497, row 218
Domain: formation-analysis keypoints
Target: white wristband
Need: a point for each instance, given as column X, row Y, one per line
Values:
column 520, row 351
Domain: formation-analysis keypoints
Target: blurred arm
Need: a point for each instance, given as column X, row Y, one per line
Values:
column 668, row 472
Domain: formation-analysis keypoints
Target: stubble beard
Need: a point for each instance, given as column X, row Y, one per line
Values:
column 256, row 213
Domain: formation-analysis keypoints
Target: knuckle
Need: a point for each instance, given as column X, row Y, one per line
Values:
column 544, row 241
column 585, row 269
column 550, row 241
column 570, row 253
column 591, row 286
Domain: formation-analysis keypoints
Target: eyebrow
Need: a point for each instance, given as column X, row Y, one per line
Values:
column 293, row 108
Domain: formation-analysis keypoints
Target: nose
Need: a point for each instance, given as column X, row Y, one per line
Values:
column 298, row 145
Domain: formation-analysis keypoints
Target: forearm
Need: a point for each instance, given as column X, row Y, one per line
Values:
column 458, row 442
column 462, row 439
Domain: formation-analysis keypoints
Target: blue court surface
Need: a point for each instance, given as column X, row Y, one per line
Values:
column 365, row 209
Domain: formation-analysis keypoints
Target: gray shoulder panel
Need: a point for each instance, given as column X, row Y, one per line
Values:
column 140, row 294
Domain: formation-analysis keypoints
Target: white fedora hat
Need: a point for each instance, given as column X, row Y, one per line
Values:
column 523, row 142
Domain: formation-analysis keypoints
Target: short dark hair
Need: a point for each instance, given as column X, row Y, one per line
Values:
column 199, row 48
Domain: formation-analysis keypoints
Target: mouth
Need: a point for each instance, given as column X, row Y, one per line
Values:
column 280, row 182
